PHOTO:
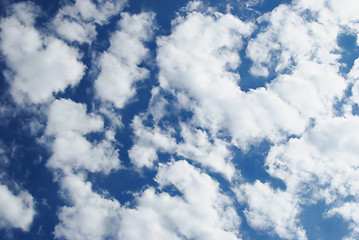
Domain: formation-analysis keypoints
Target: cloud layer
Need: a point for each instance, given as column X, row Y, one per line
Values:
column 188, row 139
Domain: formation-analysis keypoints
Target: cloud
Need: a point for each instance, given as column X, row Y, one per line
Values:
column 39, row 65
column 273, row 210
column 321, row 165
column 78, row 21
column 196, row 145
column 119, row 64
column 201, row 212
column 16, row 211
column 349, row 211
column 90, row 215
column 324, row 158
column 68, row 123
column 292, row 37
column 199, row 63
column 149, row 141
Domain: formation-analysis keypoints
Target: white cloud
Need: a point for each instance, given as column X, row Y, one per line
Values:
column 119, row 64
column 292, row 37
column 16, row 211
column 198, row 60
column 39, row 64
column 90, row 215
column 147, row 142
column 273, row 210
column 210, row 153
column 196, row 145
column 323, row 160
column 202, row 212
column 353, row 75
column 68, row 122
column 321, row 84
column 77, row 22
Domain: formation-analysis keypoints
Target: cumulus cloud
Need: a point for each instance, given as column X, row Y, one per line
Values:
column 273, row 210
column 200, row 63
column 325, row 156
column 196, row 145
column 198, row 113
column 39, row 65
column 78, row 21
column 68, row 123
column 290, row 38
column 119, row 64
column 321, row 165
column 201, row 212
column 89, row 216
column 16, row 210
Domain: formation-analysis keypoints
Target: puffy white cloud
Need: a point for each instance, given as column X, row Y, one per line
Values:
column 90, row 215
column 292, row 37
column 323, row 160
column 201, row 212
column 196, row 145
column 39, row 64
column 77, row 22
column 199, row 60
column 273, row 210
column 119, row 64
column 16, row 211
column 147, row 142
column 321, row 84
column 68, row 122
column 210, row 153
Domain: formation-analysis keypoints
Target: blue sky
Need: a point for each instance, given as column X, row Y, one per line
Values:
column 179, row 119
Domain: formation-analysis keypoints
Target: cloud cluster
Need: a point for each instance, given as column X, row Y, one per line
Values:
column 201, row 211
column 78, row 21
column 39, row 65
column 119, row 64
column 198, row 118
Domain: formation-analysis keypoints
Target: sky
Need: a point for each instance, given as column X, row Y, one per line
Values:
column 179, row 120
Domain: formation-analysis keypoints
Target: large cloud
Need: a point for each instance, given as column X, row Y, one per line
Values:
column 200, row 212
column 273, row 210
column 90, row 215
column 39, row 64
column 119, row 64
column 68, row 123
column 199, row 64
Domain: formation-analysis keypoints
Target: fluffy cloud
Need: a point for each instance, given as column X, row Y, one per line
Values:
column 119, row 64
column 272, row 210
column 292, row 37
column 322, row 164
column 199, row 60
column 196, row 145
column 324, row 157
column 39, row 64
column 68, row 122
column 200, row 212
column 16, row 211
column 77, row 22
column 90, row 216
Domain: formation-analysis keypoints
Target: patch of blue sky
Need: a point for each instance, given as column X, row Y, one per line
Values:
column 349, row 51
column 319, row 226
column 251, row 164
